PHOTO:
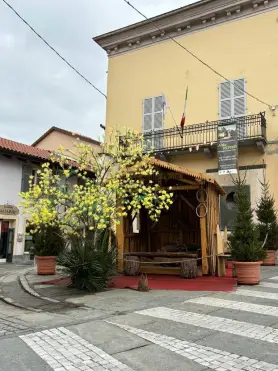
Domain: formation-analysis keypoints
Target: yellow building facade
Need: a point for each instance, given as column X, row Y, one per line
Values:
column 239, row 40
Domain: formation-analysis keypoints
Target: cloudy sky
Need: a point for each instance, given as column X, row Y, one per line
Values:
column 37, row 89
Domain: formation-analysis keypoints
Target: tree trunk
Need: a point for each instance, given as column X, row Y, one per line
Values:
column 132, row 266
column 189, row 268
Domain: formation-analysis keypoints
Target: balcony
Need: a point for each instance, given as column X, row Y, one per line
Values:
column 251, row 130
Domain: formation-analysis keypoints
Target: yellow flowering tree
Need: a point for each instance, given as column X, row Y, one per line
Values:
column 118, row 180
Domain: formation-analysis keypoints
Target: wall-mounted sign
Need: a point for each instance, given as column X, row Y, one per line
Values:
column 9, row 210
column 19, row 237
column 227, row 148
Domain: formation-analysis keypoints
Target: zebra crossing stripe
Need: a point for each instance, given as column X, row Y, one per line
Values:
column 62, row 350
column 269, row 284
column 268, row 310
column 212, row 358
column 256, row 294
column 273, row 278
column 226, row 325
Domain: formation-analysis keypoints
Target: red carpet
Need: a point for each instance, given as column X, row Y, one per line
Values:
column 160, row 282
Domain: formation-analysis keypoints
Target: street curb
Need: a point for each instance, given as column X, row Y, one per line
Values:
column 27, row 288
column 12, row 302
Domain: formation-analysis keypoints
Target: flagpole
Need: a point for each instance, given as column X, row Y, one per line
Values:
column 184, row 112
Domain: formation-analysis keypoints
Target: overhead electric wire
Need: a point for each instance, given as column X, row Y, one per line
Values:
column 192, row 54
column 54, row 50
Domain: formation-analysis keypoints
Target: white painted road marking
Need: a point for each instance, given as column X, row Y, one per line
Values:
column 256, row 294
column 212, row 358
column 62, row 350
column 226, row 325
column 269, row 284
column 274, row 278
column 268, row 310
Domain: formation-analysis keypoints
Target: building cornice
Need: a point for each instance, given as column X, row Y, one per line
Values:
column 186, row 20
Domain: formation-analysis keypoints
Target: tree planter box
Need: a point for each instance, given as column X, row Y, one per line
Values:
column 248, row 273
column 46, row 265
column 271, row 258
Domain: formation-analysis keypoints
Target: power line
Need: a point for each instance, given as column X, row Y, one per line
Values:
column 54, row 50
column 192, row 54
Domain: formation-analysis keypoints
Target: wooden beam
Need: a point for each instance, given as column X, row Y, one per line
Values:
column 187, row 181
column 120, row 243
column 181, row 188
column 204, row 242
column 187, row 202
column 180, row 177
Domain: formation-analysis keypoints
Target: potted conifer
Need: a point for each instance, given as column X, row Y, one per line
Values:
column 47, row 246
column 267, row 224
column 246, row 249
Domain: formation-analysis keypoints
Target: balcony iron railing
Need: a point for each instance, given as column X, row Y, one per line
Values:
column 249, row 128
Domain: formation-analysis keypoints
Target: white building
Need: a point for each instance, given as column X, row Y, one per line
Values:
column 17, row 162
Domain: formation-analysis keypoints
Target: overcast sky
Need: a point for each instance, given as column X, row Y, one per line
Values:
column 37, row 89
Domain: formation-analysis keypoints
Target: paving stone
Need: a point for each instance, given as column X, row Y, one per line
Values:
column 203, row 355
column 46, row 344
column 226, row 325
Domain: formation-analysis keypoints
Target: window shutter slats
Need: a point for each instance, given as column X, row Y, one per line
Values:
column 158, row 104
column 158, row 121
column 225, row 109
column 148, row 106
column 239, row 106
column 225, row 90
column 153, row 121
column 148, row 115
column 225, row 103
column 147, row 122
column 239, row 87
column 232, row 100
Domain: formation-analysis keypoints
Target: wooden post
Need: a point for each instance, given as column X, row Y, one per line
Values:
column 225, row 239
column 204, row 242
column 120, row 243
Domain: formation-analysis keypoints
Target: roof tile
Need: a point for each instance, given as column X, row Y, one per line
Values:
column 23, row 149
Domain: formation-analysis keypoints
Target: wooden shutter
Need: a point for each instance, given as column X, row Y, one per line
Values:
column 232, row 102
column 148, row 122
column 153, row 113
column 239, row 107
column 225, row 100
column 158, row 121
column 239, row 98
column 26, row 173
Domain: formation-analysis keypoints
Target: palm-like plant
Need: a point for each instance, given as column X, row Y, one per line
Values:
column 91, row 263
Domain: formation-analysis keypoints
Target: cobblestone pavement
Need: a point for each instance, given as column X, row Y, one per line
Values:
column 63, row 350
column 155, row 331
column 212, row 358
column 11, row 326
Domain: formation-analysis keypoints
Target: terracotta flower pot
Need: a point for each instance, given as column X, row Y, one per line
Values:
column 271, row 258
column 46, row 265
column 248, row 273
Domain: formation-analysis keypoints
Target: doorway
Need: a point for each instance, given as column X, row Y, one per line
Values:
column 6, row 241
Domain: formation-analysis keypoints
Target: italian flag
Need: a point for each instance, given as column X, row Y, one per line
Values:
column 184, row 110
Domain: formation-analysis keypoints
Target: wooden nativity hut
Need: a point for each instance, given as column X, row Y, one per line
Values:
column 188, row 230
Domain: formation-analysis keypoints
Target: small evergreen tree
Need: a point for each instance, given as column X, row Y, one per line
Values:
column 244, row 242
column 267, row 219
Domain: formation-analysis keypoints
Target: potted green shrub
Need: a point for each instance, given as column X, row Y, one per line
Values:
column 47, row 245
column 246, row 249
column 267, row 224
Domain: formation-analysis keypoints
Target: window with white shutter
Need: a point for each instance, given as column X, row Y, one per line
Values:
column 232, row 103
column 153, row 121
